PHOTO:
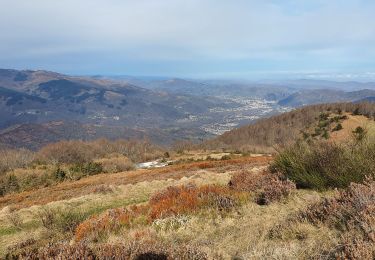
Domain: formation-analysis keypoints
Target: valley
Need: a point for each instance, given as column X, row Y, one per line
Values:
column 164, row 111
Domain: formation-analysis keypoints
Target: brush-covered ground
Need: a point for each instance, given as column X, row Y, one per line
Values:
column 313, row 200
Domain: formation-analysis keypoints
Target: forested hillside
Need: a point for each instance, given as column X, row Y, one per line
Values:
column 270, row 133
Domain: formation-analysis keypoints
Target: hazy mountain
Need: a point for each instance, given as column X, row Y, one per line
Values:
column 40, row 96
column 308, row 97
column 312, row 84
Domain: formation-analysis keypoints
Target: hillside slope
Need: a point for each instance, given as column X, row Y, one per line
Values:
column 280, row 130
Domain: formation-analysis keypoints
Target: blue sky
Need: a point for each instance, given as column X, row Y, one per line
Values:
column 191, row 38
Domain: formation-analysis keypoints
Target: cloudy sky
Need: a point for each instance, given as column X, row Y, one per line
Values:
column 191, row 38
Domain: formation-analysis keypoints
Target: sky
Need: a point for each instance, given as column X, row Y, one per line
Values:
column 191, row 38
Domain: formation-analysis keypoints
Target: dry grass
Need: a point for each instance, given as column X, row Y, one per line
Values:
column 186, row 221
column 94, row 203
column 350, row 125
column 244, row 234
column 67, row 190
column 173, row 201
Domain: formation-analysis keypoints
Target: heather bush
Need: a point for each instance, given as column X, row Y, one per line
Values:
column 135, row 250
column 351, row 212
column 323, row 165
column 267, row 187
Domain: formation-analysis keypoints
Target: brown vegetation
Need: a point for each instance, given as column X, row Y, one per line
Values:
column 266, row 186
column 137, row 250
column 69, row 160
column 79, row 152
column 66, row 190
column 13, row 159
column 185, row 200
column 352, row 212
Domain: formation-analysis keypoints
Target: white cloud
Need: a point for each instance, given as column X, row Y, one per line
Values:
column 186, row 30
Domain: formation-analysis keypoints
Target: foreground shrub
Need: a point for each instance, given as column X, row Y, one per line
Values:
column 323, row 165
column 266, row 186
column 133, row 250
column 351, row 212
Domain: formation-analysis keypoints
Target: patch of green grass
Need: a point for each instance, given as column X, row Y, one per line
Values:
column 9, row 230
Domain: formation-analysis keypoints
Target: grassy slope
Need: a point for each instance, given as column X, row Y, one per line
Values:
column 128, row 188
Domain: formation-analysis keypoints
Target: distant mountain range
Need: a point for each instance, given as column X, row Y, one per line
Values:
column 38, row 107
column 40, row 96
column 318, row 96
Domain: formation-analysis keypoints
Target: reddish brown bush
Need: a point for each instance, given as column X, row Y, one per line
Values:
column 113, row 219
column 186, row 199
column 267, row 187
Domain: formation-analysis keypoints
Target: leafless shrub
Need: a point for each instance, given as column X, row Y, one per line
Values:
column 78, row 152
column 12, row 159
column 70, row 152
column 116, row 164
